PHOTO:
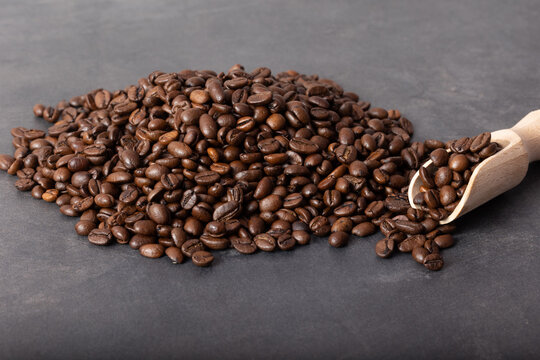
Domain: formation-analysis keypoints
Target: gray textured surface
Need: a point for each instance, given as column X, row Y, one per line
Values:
column 454, row 68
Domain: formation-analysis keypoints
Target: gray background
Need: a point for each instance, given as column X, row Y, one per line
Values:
column 455, row 68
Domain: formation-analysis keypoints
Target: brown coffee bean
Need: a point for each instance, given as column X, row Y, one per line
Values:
column 444, row 241
column 100, row 236
column 175, row 254
column 338, row 239
column 286, row 241
column 433, row 262
column 419, row 254
column 243, row 245
column 84, row 228
column 458, row 162
column 152, row 251
column 265, row 242
column 320, row 226
column 412, row 242
column 364, row 229
column 384, row 248
column 202, row 258
column 302, row 237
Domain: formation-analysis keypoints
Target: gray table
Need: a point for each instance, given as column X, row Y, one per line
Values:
column 454, row 68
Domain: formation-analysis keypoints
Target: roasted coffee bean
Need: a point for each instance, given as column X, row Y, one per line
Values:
column 338, row 239
column 412, row 242
column 265, row 242
column 214, row 243
column 433, row 262
column 444, row 241
column 243, row 245
column 159, row 214
column 409, row 227
column 419, row 254
column 152, row 251
column 458, row 162
column 302, row 237
column 121, row 234
column 286, row 241
column 100, row 236
column 202, row 258
column 439, row 157
column 84, row 227
column 364, row 229
column 320, row 226
column 191, row 246
column 384, row 248
column 175, row 254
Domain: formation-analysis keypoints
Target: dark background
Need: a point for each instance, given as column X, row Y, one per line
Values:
column 454, row 68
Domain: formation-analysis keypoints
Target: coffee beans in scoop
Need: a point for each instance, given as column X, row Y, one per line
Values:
column 188, row 163
column 444, row 184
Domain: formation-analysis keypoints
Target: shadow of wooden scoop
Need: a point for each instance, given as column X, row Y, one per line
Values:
column 498, row 173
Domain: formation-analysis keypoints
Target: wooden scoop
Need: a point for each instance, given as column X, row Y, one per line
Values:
column 498, row 173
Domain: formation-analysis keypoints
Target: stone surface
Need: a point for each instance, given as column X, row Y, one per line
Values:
column 454, row 68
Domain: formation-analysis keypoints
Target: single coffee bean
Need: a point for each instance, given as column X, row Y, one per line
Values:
column 338, row 239
column 433, row 262
column 286, row 241
column 364, row 229
column 384, row 248
column 84, row 228
column 202, row 258
column 214, row 243
column 444, row 241
column 152, row 251
column 191, row 246
column 265, row 242
column 419, row 254
column 175, row 254
column 100, row 236
column 439, row 157
column 458, row 162
column 243, row 245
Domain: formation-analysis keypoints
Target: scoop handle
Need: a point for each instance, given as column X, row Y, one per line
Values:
column 528, row 130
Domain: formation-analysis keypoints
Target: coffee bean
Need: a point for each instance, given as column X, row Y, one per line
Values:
column 286, row 241
column 175, row 254
column 412, row 242
column 214, row 243
column 338, row 239
column 444, row 241
column 419, row 254
column 409, row 227
column 302, row 237
column 458, row 162
column 320, row 226
column 202, row 258
column 159, row 213
column 433, row 262
column 243, row 245
column 384, row 248
column 152, row 251
column 191, row 246
column 364, row 229
column 439, row 157
column 265, row 242
column 100, row 236
column 121, row 234
column 84, row 228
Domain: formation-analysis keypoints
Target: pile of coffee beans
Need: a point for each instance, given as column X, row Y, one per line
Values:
column 186, row 163
column 444, row 183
